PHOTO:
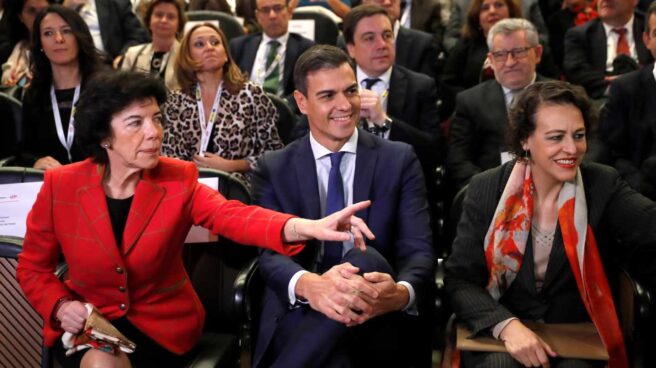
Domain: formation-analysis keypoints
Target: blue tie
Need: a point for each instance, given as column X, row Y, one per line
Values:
column 332, row 251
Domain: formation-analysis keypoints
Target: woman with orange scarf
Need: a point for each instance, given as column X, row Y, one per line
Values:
column 536, row 240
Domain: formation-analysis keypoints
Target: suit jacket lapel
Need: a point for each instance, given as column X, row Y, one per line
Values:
column 291, row 54
column 250, row 53
column 94, row 208
column 103, row 11
column 365, row 165
column 147, row 197
column 307, row 179
column 598, row 37
column 644, row 56
column 397, row 93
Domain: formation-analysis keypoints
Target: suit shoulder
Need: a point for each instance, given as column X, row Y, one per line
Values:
column 281, row 157
column 304, row 43
column 416, row 77
column 241, row 40
column 631, row 81
column 584, row 28
column 417, row 35
column 479, row 90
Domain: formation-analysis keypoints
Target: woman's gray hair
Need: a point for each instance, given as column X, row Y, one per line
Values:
column 512, row 25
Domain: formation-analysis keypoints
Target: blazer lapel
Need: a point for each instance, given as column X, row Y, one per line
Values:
column 598, row 37
column 291, row 53
column 365, row 165
column 250, row 53
column 94, row 208
column 147, row 197
column 103, row 11
column 307, row 179
column 397, row 93
column 644, row 55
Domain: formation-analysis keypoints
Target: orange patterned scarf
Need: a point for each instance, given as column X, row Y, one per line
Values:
column 505, row 243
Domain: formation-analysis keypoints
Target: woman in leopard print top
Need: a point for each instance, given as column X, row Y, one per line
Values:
column 228, row 132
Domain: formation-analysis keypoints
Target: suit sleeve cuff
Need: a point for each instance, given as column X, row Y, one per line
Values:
column 411, row 307
column 292, row 287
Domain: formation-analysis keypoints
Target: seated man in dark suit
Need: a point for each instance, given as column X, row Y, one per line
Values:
column 628, row 123
column 112, row 24
column 415, row 50
column 601, row 49
column 477, row 132
column 333, row 305
column 269, row 57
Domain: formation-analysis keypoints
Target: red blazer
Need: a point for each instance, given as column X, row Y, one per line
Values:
column 144, row 279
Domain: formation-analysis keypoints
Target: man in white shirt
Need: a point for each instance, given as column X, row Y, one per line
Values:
column 333, row 305
column 601, row 49
column 269, row 57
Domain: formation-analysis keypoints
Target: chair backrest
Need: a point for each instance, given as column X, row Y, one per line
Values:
column 21, row 343
column 10, row 126
column 325, row 28
column 213, row 267
column 13, row 175
column 286, row 118
column 228, row 23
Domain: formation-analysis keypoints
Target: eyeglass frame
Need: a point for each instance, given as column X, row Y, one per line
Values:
column 277, row 9
column 517, row 53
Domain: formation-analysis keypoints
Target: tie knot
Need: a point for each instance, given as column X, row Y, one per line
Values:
column 274, row 44
column 620, row 31
column 369, row 82
column 336, row 158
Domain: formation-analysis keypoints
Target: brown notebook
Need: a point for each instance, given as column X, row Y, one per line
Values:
column 568, row 340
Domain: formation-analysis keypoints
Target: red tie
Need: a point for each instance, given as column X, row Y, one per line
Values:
column 622, row 43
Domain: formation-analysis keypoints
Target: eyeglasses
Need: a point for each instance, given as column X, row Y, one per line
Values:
column 517, row 53
column 277, row 9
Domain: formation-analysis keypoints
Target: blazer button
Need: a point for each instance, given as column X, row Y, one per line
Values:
column 121, row 288
column 122, row 306
column 119, row 270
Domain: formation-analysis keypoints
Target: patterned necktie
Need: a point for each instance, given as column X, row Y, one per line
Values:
column 332, row 251
column 622, row 43
column 272, row 80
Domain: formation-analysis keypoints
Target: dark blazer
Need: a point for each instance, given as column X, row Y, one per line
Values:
column 388, row 174
column 119, row 27
column 244, row 50
column 628, row 128
column 70, row 217
column 477, row 131
column 584, row 60
column 416, row 50
column 610, row 202
column 425, row 15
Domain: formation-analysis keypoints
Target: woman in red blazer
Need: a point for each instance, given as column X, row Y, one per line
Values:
column 120, row 219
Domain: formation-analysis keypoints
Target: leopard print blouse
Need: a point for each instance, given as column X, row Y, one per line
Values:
column 245, row 127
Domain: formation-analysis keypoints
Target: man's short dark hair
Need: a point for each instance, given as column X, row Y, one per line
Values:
column 108, row 93
column 651, row 10
column 315, row 58
column 356, row 15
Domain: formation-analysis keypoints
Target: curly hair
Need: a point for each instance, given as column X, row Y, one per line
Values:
column 522, row 115
column 186, row 67
column 112, row 92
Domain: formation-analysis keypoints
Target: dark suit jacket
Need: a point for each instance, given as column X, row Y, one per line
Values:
column 477, row 131
column 416, row 51
column 119, row 27
column 584, row 60
column 425, row 15
column 70, row 217
column 244, row 50
column 610, row 203
column 628, row 128
column 388, row 174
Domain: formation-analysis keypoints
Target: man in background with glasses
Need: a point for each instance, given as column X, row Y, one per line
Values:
column 478, row 126
column 269, row 57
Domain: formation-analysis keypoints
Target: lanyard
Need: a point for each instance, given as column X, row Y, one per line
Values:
column 67, row 142
column 206, row 126
column 264, row 73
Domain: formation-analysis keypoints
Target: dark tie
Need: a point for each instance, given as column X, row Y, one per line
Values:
column 622, row 43
column 272, row 80
column 332, row 251
column 369, row 82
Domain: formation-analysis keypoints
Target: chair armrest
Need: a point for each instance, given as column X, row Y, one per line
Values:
column 635, row 304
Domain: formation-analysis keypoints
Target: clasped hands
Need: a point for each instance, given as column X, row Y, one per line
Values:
column 346, row 297
column 371, row 107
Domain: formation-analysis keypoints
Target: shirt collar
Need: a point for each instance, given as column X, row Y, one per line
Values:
column 628, row 26
column 320, row 151
column 385, row 77
column 282, row 39
column 397, row 26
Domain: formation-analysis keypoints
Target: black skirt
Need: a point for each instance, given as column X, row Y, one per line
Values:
column 148, row 353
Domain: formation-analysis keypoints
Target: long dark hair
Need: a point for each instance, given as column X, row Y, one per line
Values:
column 88, row 58
column 17, row 31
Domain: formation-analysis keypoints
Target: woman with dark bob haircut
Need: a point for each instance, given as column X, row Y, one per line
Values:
column 63, row 60
column 541, row 237
column 120, row 218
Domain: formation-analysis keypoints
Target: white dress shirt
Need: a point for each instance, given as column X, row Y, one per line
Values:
column 258, row 73
column 611, row 43
column 89, row 13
